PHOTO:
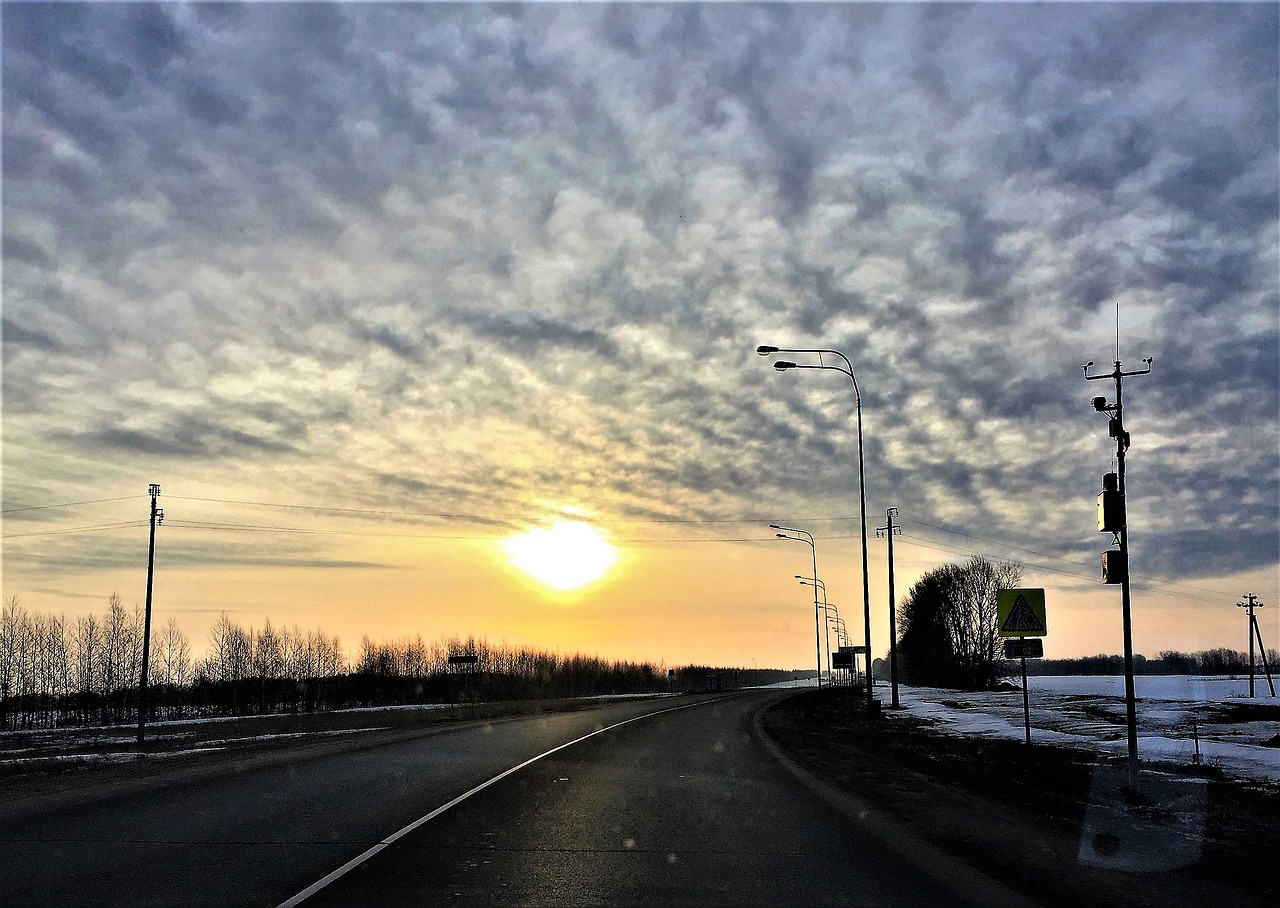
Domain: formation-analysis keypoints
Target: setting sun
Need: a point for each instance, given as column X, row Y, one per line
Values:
column 565, row 557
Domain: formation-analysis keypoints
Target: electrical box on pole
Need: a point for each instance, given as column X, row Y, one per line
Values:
column 1111, row 518
column 1115, row 566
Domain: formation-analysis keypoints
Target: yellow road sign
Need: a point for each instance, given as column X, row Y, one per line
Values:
column 1020, row 613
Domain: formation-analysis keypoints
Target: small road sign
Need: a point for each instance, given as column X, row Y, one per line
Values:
column 464, row 659
column 1024, row 648
column 1020, row 613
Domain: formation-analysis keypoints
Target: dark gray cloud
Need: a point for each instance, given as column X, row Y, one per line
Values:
column 520, row 253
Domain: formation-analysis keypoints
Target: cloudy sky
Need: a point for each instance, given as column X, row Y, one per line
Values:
column 369, row 288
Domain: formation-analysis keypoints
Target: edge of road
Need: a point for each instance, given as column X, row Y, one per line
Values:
column 972, row 885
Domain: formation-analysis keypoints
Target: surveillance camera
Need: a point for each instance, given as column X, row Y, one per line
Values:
column 1099, row 404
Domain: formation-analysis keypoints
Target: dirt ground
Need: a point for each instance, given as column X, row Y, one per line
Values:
column 1057, row 825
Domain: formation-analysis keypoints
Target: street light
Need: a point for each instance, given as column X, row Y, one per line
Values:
column 833, row 618
column 846, row 369
column 808, row 540
column 815, row 582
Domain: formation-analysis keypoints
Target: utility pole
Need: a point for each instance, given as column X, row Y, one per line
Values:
column 1252, row 603
column 888, row 532
column 1113, row 518
column 157, row 517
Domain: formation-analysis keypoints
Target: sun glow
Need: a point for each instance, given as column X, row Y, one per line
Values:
column 566, row 557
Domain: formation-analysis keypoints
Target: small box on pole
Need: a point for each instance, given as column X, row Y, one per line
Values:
column 1115, row 567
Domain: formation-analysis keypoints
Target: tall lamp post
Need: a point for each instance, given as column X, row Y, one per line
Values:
column 818, row 584
column 845, row 369
column 807, row 539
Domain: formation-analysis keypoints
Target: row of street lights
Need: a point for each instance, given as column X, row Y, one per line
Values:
column 844, row 367
column 828, row 609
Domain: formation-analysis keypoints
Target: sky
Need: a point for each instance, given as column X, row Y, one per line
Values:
column 368, row 290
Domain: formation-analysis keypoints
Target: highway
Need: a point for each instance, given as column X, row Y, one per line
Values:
column 682, row 806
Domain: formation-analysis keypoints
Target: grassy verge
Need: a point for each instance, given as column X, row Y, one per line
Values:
column 1019, row 814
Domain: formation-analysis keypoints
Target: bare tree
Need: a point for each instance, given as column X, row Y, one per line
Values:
column 172, row 656
column 12, row 620
column 950, row 636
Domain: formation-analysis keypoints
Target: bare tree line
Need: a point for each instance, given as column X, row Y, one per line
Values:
column 56, row 672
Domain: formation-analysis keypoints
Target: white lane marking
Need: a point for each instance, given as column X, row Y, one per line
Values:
column 396, row 836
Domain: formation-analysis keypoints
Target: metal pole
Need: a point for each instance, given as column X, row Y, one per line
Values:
column 866, row 584
column 847, row 369
column 817, row 632
column 1026, row 702
column 817, row 636
column 154, row 491
column 1126, row 611
column 1122, row 443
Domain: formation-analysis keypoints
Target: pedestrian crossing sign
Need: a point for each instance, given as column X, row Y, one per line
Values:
column 1020, row 613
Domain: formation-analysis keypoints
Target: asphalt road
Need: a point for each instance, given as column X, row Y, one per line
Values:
column 685, row 806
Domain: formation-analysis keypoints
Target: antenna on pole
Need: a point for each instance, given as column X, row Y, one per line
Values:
column 1117, row 356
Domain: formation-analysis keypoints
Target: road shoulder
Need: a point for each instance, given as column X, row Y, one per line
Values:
column 1011, row 816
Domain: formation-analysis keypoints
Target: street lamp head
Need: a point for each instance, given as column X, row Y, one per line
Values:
column 765, row 350
column 782, row 365
column 774, row 526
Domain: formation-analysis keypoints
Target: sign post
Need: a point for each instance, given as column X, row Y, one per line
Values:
column 1021, row 614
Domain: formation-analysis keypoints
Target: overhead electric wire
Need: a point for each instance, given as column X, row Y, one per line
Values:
column 69, row 504
column 69, row 530
column 256, row 528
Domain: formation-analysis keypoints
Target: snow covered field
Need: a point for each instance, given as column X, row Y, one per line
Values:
column 1088, row 712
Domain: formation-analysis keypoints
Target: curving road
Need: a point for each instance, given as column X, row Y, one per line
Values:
column 683, row 805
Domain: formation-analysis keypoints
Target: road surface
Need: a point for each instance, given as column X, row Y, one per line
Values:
column 682, row 805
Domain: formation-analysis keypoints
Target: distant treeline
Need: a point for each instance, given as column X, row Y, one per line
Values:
column 1219, row 661
column 55, row 672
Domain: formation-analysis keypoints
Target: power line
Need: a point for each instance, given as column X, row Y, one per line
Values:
column 69, row 504
column 76, row 529
column 258, row 528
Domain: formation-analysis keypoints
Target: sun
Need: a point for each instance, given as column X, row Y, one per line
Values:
column 566, row 557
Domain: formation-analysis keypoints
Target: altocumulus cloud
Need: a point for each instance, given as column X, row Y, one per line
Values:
column 424, row 255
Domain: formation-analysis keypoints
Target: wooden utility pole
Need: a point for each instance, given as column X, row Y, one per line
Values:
column 1251, row 602
column 157, row 517
column 888, row 532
